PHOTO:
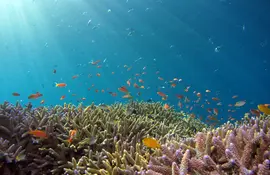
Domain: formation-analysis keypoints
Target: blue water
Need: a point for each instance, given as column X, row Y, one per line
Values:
column 220, row 45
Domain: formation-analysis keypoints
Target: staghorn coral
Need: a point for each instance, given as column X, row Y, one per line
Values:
column 230, row 149
column 108, row 138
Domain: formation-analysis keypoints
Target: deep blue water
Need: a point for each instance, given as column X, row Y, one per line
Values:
column 177, row 38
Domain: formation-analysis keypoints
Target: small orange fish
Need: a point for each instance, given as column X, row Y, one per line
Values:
column 135, row 85
column 264, row 109
column 255, row 112
column 62, row 97
column 215, row 99
column 95, row 62
column 173, row 85
column 161, row 94
column 60, row 84
column 128, row 96
column 151, row 143
column 75, row 76
column 113, row 94
column 123, row 89
column 38, row 133
column 215, row 110
column 72, row 134
column 98, row 74
column 35, row 96
column 160, row 78
column 199, row 95
column 179, row 96
column 141, row 81
column 15, row 94
column 166, row 106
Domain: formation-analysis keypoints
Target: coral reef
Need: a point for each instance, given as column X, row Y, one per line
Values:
column 107, row 141
column 231, row 149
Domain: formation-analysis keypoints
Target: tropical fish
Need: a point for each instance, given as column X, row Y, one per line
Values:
column 75, row 76
column 240, row 103
column 264, row 109
column 60, row 84
column 166, row 106
column 161, row 94
column 151, row 143
column 62, row 97
column 72, row 134
column 128, row 96
column 35, row 96
column 38, row 133
column 54, row 71
column 123, row 89
column 42, row 101
column 255, row 112
column 15, row 94
column 98, row 74
column 135, row 85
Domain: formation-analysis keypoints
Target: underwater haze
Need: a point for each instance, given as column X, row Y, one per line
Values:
column 201, row 54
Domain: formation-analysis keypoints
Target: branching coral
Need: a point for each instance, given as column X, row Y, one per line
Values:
column 226, row 150
column 107, row 141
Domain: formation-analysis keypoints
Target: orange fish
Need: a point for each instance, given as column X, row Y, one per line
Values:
column 123, row 89
column 215, row 99
column 38, row 133
column 60, row 84
column 255, row 112
column 135, row 85
column 75, row 76
column 161, row 94
column 215, row 110
column 113, row 94
column 199, row 95
column 95, row 62
column 160, row 78
column 63, row 97
column 264, row 109
column 35, row 96
column 151, row 143
column 141, row 81
column 179, row 96
column 15, row 94
column 128, row 96
column 98, row 74
column 72, row 134
column 166, row 106
column 173, row 85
